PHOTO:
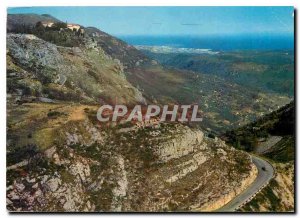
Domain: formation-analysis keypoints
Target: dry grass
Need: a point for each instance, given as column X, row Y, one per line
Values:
column 32, row 119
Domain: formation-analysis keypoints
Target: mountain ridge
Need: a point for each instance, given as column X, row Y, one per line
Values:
column 60, row 158
column 148, row 80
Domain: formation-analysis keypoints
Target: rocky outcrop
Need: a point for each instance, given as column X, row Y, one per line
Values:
column 231, row 194
column 176, row 169
column 188, row 167
column 179, row 144
column 67, row 73
column 29, row 49
column 120, row 191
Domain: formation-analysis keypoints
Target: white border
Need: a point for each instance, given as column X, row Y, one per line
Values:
column 16, row 3
column 150, row 3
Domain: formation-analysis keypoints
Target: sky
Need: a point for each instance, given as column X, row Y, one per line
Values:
column 120, row 21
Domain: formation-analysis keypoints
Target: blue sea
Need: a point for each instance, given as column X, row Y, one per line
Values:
column 217, row 43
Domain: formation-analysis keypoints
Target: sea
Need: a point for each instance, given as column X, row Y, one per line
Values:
column 217, row 43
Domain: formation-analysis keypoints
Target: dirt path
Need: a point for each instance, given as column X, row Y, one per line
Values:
column 78, row 113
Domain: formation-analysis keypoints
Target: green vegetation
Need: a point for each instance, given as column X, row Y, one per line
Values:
column 283, row 151
column 66, row 176
column 280, row 123
column 53, row 114
column 58, row 33
column 223, row 104
column 18, row 154
column 270, row 71
column 103, row 198
column 93, row 66
column 278, row 195
column 266, row 195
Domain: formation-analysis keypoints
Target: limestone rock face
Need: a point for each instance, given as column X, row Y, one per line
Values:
column 70, row 73
column 26, row 49
column 175, row 169
column 180, row 145
column 120, row 191
column 80, row 169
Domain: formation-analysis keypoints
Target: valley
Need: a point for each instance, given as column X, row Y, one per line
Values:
column 61, row 158
column 270, row 71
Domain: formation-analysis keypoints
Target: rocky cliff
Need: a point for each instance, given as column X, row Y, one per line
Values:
column 86, row 167
column 39, row 68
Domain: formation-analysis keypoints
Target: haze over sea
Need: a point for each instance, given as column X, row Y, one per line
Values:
column 216, row 28
column 217, row 43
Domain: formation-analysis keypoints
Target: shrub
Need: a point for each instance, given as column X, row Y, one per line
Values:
column 53, row 114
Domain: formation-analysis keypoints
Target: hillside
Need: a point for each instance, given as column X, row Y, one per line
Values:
column 253, row 69
column 278, row 123
column 16, row 21
column 257, row 137
column 93, row 65
column 224, row 105
column 117, row 49
column 85, row 74
column 60, row 158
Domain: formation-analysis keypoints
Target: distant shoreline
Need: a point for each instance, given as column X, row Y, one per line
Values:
column 215, row 43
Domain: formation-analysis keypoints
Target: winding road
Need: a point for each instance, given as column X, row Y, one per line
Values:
column 265, row 174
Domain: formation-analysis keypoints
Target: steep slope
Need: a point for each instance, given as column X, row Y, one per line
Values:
column 279, row 194
column 64, row 161
column 279, row 123
column 17, row 21
column 38, row 68
column 60, row 158
column 85, row 67
column 114, row 47
column 94, row 65
column 117, row 49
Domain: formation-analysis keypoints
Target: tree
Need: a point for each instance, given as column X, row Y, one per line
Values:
column 58, row 26
column 39, row 28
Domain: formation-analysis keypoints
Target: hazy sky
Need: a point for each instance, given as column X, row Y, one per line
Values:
column 175, row 20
